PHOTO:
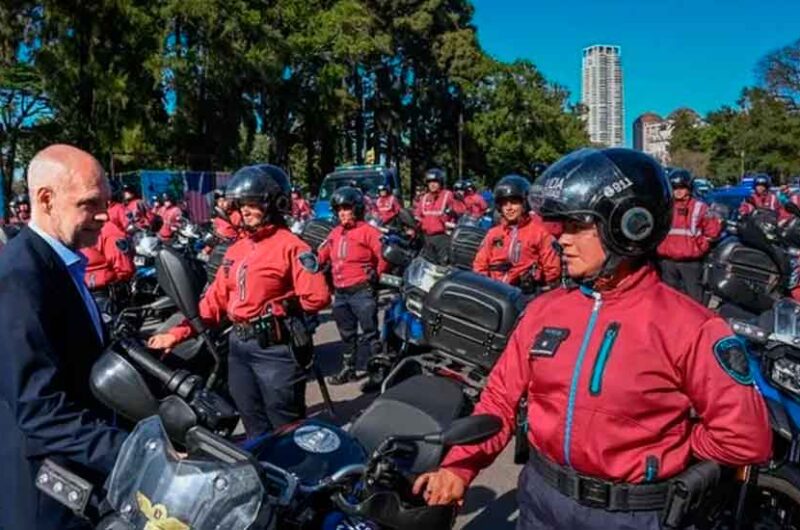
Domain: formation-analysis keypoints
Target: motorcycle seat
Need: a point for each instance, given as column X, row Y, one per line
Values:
column 418, row 405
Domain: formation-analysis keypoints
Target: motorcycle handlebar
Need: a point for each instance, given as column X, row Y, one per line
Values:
column 152, row 366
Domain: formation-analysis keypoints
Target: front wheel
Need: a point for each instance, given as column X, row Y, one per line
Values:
column 778, row 497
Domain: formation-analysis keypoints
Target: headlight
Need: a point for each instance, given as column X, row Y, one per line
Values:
column 785, row 373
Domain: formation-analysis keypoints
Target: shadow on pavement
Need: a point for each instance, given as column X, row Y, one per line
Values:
column 493, row 513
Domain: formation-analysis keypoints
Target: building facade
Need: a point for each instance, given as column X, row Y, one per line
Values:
column 652, row 134
column 602, row 95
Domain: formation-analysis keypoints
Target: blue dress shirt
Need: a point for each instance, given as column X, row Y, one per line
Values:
column 76, row 265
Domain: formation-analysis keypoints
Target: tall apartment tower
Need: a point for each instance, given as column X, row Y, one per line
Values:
column 602, row 95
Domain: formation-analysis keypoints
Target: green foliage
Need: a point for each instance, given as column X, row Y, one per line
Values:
column 308, row 84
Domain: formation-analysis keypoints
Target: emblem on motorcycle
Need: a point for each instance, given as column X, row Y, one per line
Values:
column 732, row 357
column 157, row 516
column 316, row 439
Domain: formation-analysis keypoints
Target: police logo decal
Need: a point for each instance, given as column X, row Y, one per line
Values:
column 731, row 354
column 309, row 261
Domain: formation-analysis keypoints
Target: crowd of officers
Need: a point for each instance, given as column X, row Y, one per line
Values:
column 270, row 282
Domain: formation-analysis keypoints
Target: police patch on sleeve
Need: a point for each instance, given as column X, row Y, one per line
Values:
column 731, row 355
column 309, row 261
column 123, row 245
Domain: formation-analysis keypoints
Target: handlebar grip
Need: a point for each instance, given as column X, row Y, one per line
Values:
column 147, row 362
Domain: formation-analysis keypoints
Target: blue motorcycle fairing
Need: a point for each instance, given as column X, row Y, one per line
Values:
column 403, row 324
column 311, row 449
column 145, row 272
column 774, row 394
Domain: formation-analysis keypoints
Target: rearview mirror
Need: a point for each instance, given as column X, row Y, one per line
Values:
column 117, row 384
column 176, row 278
column 466, row 431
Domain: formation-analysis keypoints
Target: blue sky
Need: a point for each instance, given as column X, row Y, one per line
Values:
column 675, row 53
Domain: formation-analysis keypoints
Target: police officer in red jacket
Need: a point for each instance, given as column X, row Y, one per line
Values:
column 171, row 216
column 627, row 379
column 474, row 203
column 135, row 207
column 301, row 210
column 109, row 262
column 117, row 213
column 688, row 240
column 436, row 208
column 518, row 251
column 353, row 250
column 386, row 205
column 20, row 209
column 226, row 221
column 761, row 199
column 266, row 283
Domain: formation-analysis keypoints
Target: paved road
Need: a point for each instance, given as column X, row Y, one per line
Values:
column 490, row 503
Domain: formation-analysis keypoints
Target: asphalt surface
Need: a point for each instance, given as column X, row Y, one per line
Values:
column 490, row 502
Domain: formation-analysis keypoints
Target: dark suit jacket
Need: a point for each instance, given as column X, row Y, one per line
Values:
column 48, row 344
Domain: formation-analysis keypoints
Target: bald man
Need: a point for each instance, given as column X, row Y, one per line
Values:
column 51, row 334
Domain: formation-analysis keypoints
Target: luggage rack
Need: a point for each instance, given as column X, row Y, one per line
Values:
column 437, row 363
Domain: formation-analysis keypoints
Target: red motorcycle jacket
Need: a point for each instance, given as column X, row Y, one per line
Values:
column 258, row 273
column 475, row 205
column 109, row 260
column 171, row 217
column 387, row 208
column 301, row 210
column 354, row 254
column 118, row 215
column 767, row 201
column 509, row 251
column 436, row 209
column 227, row 228
column 693, row 229
column 612, row 379
column 138, row 213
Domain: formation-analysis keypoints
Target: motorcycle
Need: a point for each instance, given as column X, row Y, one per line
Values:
column 309, row 474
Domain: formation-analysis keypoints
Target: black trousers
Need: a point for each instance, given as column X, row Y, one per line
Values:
column 437, row 248
column 354, row 309
column 266, row 384
column 542, row 507
column 685, row 276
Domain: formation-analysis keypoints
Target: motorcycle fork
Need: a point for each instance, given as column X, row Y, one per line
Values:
column 749, row 476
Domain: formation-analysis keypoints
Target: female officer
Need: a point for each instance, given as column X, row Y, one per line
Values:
column 266, row 281
column 519, row 250
column 612, row 368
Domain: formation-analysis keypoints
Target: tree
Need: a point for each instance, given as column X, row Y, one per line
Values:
column 779, row 72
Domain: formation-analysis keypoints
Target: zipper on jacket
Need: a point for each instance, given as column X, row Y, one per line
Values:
column 576, row 373
column 595, row 386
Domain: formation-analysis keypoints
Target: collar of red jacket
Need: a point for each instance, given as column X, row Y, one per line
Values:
column 263, row 232
column 523, row 220
column 634, row 282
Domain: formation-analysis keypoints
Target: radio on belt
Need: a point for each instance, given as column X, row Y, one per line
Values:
column 64, row 486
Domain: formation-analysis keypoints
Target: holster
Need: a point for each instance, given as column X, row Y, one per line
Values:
column 687, row 492
column 301, row 338
column 522, row 448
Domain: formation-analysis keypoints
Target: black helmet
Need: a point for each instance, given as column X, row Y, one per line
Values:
column 383, row 187
column 761, row 180
column 624, row 191
column 297, row 189
column 459, row 185
column 680, row 178
column 168, row 196
column 23, row 198
column 155, row 199
column 219, row 193
column 349, row 196
column 265, row 184
column 435, row 174
column 510, row 187
column 469, row 185
column 127, row 188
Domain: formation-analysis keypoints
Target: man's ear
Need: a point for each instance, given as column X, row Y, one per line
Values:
column 44, row 197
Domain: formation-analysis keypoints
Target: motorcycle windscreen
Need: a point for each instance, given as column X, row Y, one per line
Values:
column 152, row 488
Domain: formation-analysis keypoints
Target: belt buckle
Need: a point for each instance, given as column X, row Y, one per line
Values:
column 593, row 493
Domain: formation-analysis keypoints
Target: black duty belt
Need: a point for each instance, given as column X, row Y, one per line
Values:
column 353, row 288
column 597, row 493
column 269, row 330
column 500, row 267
